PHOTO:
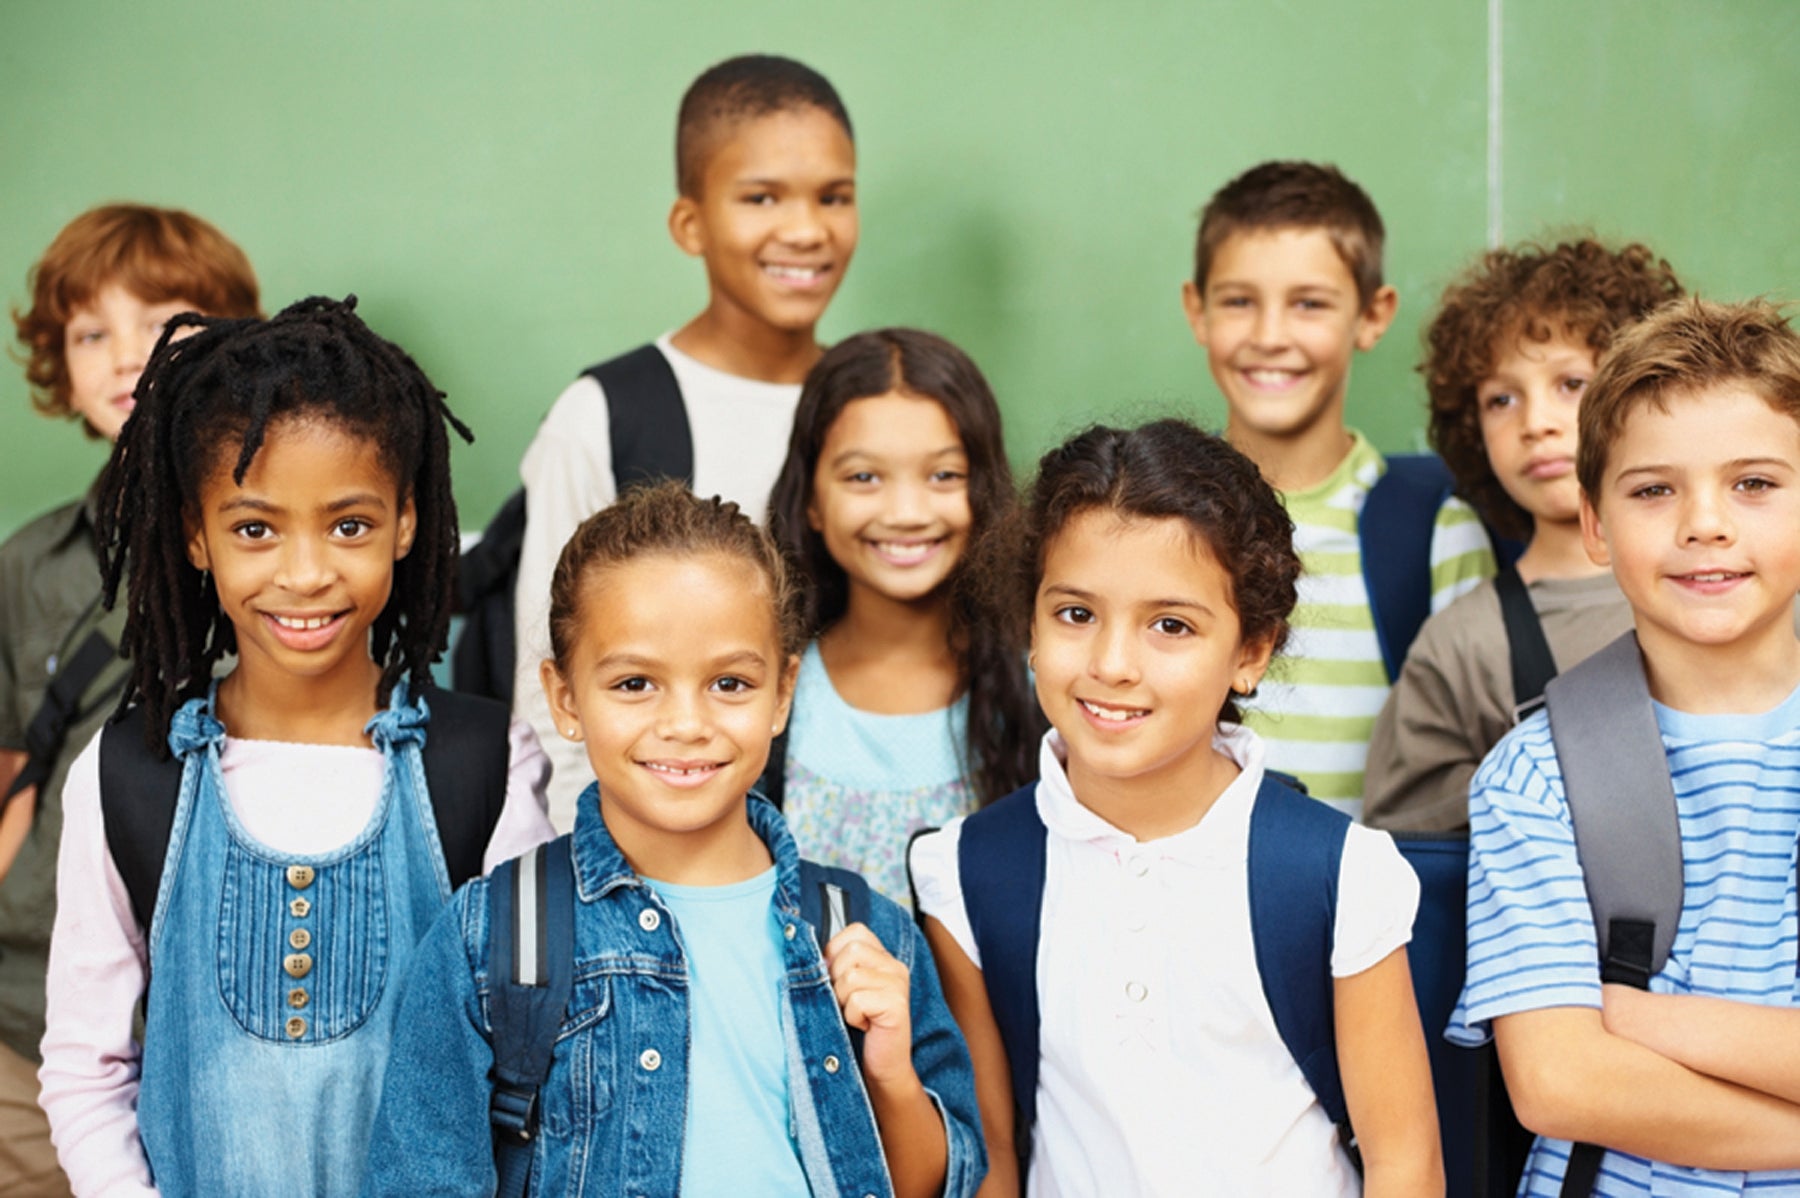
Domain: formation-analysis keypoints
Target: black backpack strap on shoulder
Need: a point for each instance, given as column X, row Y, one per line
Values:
column 1296, row 846
column 831, row 899
column 773, row 783
column 531, row 968
column 1001, row 862
column 138, row 796
column 646, row 418
column 1394, row 532
column 1532, row 664
column 483, row 657
column 467, row 754
column 1627, row 833
column 60, row 710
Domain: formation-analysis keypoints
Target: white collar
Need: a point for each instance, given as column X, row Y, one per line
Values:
column 1223, row 832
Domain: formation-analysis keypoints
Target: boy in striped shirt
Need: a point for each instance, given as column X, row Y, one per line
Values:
column 1287, row 287
column 1689, row 463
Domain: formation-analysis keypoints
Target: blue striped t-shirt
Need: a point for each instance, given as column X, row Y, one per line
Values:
column 1531, row 931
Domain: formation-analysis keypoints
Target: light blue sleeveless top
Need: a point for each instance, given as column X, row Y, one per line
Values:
column 859, row 784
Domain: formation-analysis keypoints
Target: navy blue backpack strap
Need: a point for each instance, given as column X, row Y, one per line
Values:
column 646, row 418
column 531, row 966
column 831, row 899
column 1296, row 844
column 1001, row 861
column 467, row 754
column 1394, row 531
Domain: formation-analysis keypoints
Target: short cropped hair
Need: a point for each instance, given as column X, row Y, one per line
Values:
column 1687, row 347
column 1296, row 195
column 157, row 254
column 1581, row 291
column 741, row 89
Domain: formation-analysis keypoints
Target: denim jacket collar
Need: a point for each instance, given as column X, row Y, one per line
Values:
column 600, row 868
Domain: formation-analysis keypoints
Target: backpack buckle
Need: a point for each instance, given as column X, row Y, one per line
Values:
column 513, row 1112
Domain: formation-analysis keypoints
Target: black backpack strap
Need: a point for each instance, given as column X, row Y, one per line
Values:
column 467, row 754
column 1001, row 860
column 1296, row 846
column 86, row 676
column 646, row 418
column 1627, row 834
column 531, row 968
column 138, row 795
column 831, row 899
column 1394, row 531
column 1532, row 664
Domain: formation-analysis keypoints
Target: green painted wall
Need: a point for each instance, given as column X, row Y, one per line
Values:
column 492, row 180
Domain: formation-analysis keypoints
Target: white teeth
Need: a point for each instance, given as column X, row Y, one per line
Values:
column 1113, row 714
column 304, row 625
column 678, row 771
column 907, row 552
column 1718, row 576
column 1270, row 377
column 805, row 274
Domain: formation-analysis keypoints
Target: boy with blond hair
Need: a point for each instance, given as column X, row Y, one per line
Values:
column 1689, row 465
column 1287, row 288
column 100, row 296
column 766, row 182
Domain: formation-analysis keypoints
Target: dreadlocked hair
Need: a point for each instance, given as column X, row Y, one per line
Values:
column 213, row 385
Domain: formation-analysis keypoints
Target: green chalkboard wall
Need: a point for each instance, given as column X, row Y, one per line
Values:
column 492, row 179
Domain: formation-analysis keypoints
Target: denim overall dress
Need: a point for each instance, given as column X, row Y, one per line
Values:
column 275, row 978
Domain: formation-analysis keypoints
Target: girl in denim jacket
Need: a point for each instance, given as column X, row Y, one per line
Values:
column 704, row 1049
column 282, row 493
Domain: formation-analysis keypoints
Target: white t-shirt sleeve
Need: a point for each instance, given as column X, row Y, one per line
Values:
column 98, row 964
column 567, row 471
column 935, row 876
column 1378, row 895
column 524, row 822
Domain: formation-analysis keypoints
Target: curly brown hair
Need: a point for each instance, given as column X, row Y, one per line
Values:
column 157, row 254
column 1164, row 470
column 1582, row 290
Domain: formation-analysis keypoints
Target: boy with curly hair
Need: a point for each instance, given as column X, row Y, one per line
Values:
column 1508, row 356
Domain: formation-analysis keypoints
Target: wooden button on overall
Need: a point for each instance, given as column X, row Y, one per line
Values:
column 300, row 876
column 297, row 998
column 300, row 908
column 300, row 938
column 296, row 1027
column 298, row 965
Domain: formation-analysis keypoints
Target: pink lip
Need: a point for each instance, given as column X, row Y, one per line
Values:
column 1545, row 469
column 305, row 640
column 1105, row 725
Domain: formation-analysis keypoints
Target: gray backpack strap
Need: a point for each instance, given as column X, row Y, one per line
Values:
column 1616, row 776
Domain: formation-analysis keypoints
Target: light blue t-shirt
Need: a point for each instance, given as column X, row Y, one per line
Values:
column 1531, row 930
column 737, row 1139
column 859, row 784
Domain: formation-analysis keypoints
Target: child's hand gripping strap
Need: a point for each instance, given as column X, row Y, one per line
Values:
column 832, row 899
column 531, row 963
column 1627, row 834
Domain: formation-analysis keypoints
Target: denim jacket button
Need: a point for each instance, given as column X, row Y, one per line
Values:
column 300, row 876
column 831, row 1064
column 650, row 1059
column 788, row 931
column 649, row 919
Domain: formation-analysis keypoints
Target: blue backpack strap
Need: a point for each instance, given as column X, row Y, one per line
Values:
column 1000, row 860
column 1296, row 844
column 531, row 966
column 646, row 418
column 1394, row 532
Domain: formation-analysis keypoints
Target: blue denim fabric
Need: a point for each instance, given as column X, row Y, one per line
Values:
column 614, row 1106
column 235, row 1098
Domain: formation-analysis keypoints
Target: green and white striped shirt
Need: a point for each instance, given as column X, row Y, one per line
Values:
column 1317, row 706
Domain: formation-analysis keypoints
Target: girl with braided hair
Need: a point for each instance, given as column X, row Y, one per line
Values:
column 281, row 494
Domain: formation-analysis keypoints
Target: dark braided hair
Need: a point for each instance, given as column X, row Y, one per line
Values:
column 214, row 386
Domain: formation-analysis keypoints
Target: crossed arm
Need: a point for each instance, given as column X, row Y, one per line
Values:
column 1703, row 1082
